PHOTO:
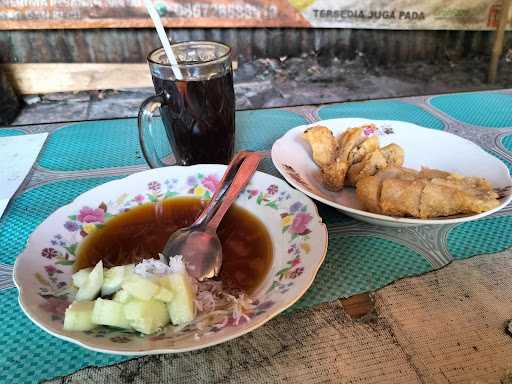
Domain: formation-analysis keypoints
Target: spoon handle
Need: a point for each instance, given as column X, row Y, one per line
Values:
column 222, row 188
column 244, row 174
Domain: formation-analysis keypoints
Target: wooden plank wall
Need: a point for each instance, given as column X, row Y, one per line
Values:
column 132, row 45
column 75, row 60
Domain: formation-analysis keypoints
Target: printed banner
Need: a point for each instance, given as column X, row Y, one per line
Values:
column 374, row 14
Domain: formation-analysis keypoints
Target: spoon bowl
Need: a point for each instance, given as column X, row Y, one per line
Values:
column 201, row 250
column 199, row 244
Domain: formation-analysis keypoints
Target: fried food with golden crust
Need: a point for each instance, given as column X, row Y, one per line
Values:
column 368, row 193
column 369, row 188
column 394, row 154
column 367, row 159
column 368, row 166
column 442, row 199
column 475, row 194
column 384, row 186
column 401, row 192
column 359, row 152
column 475, row 185
column 429, row 173
column 333, row 175
column 439, row 200
column 350, row 139
column 323, row 144
column 401, row 197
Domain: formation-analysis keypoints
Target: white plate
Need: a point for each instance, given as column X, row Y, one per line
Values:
column 426, row 147
column 43, row 271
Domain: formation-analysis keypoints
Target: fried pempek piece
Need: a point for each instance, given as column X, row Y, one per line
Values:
column 394, row 154
column 359, row 152
column 350, row 139
column 440, row 200
column 373, row 160
column 401, row 197
column 369, row 188
column 368, row 166
column 477, row 186
column 429, row 173
column 400, row 192
column 323, row 144
column 333, row 175
column 457, row 194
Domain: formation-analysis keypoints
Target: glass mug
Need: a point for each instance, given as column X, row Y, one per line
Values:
column 198, row 111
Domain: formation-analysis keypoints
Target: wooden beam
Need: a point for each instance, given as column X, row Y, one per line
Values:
column 63, row 77
column 29, row 79
column 498, row 40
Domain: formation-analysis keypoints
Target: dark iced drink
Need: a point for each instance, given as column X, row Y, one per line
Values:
column 196, row 101
column 199, row 118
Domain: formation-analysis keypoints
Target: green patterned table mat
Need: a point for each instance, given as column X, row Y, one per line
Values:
column 360, row 257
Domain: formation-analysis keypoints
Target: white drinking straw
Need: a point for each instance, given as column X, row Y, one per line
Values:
column 163, row 38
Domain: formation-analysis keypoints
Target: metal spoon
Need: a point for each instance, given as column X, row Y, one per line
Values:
column 199, row 244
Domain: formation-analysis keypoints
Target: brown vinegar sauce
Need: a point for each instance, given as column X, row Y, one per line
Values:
column 142, row 232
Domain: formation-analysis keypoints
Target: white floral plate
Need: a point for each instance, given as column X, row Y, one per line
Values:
column 426, row 147
column 43, row 271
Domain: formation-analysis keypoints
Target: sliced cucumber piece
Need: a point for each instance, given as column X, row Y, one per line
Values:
column 122, row 296
column 112, row 280
column 164, row 295
column 108, row 312
column 181, row 308
column 92, row 286
column 146, row 316
column 80, row 277
column 78, row 316
column 139, row 287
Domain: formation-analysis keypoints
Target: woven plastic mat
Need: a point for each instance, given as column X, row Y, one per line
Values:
column 360, row 257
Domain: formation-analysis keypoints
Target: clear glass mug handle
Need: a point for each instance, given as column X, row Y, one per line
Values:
column 144, row 120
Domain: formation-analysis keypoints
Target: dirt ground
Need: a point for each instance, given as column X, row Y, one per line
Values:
column 289, row 81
